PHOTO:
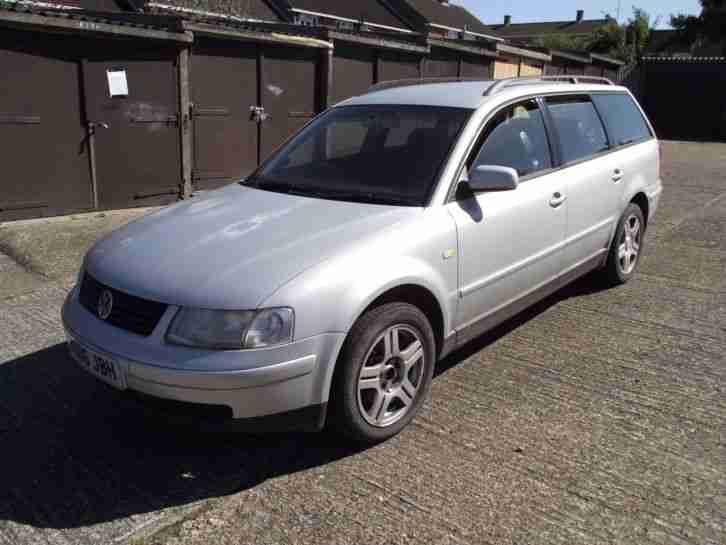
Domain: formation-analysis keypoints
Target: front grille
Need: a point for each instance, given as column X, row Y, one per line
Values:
column 131, row 313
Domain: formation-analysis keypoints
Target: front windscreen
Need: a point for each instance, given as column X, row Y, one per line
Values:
column 380, row 154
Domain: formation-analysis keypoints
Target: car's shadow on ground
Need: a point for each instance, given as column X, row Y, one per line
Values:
column 73, row 455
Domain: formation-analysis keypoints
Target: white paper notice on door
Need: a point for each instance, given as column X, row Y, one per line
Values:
column 117, row 84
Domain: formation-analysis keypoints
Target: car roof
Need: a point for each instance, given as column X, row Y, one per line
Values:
column 467, row 94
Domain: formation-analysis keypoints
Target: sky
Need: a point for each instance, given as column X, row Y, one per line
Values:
column 526, row 11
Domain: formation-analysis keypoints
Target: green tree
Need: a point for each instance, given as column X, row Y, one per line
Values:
column 638, row 31
column 625, row 42
column 610, row 39
column 708, row 27
column 562, row 42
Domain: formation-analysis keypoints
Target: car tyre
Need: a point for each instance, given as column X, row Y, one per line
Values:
column 627, row 246
column 383, row 374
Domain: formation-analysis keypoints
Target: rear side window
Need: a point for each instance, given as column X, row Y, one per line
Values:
column 578, row 127
column 622, row 117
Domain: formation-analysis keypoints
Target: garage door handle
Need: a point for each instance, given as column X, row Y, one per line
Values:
column 557, row 200
column 93, row 125
column 617, row 175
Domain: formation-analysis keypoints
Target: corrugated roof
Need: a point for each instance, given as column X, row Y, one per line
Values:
column 371, row 11
column 532, row 30
column 165, row 23
column 249, row 9
column 445, row 14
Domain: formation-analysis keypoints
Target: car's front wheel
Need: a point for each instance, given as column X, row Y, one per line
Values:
column 384, row 372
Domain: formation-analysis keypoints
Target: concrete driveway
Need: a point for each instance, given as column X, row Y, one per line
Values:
column 597, row 417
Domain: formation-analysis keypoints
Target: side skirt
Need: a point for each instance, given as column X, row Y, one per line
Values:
column 493, row 319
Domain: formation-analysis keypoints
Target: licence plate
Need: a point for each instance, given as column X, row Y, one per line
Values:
column 102, row 367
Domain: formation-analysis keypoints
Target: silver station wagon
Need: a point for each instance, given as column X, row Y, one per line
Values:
column 393, row 228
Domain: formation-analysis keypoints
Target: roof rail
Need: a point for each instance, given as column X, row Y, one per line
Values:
column 510, row 82
column 496, row 86
column 417, row 81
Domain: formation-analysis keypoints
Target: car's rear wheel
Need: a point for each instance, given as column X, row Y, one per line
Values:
column 384, row 373
column 627, row 246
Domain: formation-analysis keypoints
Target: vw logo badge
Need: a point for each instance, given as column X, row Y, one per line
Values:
column 105, row 304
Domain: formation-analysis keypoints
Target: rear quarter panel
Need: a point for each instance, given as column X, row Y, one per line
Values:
column 642, row 171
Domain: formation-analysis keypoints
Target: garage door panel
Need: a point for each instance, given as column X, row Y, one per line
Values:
column 353, row 72
column 137, row 156
column 442, row 65
column 473, row 68
column 45, row 160
column 592, row 70
column 225, row 137
column 394, row 66
column 288, row 94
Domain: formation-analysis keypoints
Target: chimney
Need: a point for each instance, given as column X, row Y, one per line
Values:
column 580, row 15
column 507, row 20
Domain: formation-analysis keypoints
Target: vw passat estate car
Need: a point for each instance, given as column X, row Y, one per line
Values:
column 393, row 228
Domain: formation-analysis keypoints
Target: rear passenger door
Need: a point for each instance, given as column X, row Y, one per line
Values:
column 592, row 177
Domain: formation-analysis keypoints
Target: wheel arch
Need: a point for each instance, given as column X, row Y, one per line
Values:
column 413, row 293
column 641, row 199
column 419, row 297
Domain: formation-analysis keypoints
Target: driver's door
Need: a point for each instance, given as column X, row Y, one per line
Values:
column 510, row 242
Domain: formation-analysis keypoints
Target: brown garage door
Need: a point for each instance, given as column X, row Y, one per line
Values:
column 137, row 156
column 556, row 68
column 289, row 88
column 475, row 67
column 352, row 72
column 442, row 64
column 394, row 65
column 593, row 70
column 223, row 88
column 44, row 160
column 576, row 69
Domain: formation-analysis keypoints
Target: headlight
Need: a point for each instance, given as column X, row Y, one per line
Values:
column 231, row 329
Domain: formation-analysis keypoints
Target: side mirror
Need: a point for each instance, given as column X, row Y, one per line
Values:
column 493, row 178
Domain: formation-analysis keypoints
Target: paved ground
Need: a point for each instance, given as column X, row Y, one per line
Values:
column 598, row 417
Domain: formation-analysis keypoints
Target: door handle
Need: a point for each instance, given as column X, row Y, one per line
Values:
column 617, row 175
column 557, row 200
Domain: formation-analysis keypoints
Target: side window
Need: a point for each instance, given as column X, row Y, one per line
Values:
column 515, row 138
column 622, row 117
column 578, row 126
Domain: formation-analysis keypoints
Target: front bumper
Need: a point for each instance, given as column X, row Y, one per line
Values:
column 291, row 379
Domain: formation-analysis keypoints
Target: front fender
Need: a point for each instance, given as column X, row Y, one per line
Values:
column 331, row 296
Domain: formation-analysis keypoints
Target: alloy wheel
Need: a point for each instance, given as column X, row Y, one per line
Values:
column 390, row 376
column 629, row 244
